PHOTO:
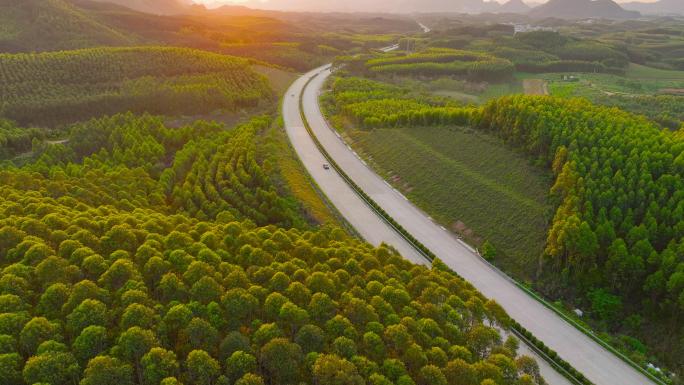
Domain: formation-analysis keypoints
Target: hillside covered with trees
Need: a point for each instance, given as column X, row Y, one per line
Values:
column 140, row 254
column 59, row 87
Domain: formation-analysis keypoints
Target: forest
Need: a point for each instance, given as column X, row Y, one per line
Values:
column 141, row 246
column 143, row 243
column 433, row 62
column 139, row 254
column 373, row 104
column 59, row 87
column 615, row 243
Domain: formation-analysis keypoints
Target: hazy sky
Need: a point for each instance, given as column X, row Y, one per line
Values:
column 215, row 2
column 364, row 5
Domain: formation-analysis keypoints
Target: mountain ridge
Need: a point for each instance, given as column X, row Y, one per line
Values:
column 659, row 7
column 582, row 9
column 514, row 6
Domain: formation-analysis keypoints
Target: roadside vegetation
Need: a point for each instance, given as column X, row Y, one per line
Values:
column 499, row 198
column 607, row 244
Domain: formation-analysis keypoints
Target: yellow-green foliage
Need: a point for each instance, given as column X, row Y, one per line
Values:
column 130, row 290
column 441, row 62
column 373, row 104
column 66, row 86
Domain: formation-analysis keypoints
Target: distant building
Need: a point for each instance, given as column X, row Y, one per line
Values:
column 569, row 78
column 518, row 28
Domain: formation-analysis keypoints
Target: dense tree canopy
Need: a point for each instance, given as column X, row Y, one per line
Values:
column 60, row 87
column 139, row 254
column 619, row 183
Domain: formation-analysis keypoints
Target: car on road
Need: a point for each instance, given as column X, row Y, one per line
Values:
column 326, row 166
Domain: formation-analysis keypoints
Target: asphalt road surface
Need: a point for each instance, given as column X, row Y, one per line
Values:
column 597, row 364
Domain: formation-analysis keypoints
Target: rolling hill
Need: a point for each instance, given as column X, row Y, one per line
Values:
column 157, row 7
column 39, row 25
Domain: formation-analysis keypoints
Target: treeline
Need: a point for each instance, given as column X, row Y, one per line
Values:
column 16, row 140
column 562, row 53
column 61, row 87
column 536, row 51
column 432, row 55
column 667, row 110
column 375, row 105
column 433, row 62
column 618, row 233
column 104, row 282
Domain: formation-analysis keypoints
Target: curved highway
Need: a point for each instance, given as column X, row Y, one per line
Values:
column 596, row 363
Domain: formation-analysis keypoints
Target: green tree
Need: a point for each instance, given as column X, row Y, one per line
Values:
column 250, row 379
column 321, row 307
column 344, row 347
column 158, row 364
column 133, row 344
column 431, row 375
column 333, row 370
column 488, row 251
column 239, row 364
column 280, row 360
column 92, row 341
column 10, row 368
column 89, row 312
column 199, row 335
column 459, row 372
column 106, row 370
column 310, row 338
column 201, row 368
column 234, row 341
column 36, row 331
column 138, row 315
column 57, row 368
column 52, row 300
column 606, row 306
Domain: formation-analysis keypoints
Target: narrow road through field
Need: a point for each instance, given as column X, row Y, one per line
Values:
column 598, row 364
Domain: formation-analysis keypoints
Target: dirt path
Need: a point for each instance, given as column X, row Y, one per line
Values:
column 61, row 141
column 535, row 87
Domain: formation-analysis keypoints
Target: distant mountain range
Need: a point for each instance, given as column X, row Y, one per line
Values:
column 563, row 9
column 662, row 7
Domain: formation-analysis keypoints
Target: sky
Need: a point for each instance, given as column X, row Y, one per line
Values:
column 219, row 2
column 366, row 5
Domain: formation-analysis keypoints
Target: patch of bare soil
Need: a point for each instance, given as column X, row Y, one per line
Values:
column 535, row 87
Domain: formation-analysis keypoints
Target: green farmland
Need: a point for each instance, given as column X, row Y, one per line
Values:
column 469, row 182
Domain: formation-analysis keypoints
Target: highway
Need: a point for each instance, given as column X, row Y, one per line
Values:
column 596, row 363
column 372, row 228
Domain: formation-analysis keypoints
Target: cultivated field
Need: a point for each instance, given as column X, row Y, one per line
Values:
column 469, row 182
